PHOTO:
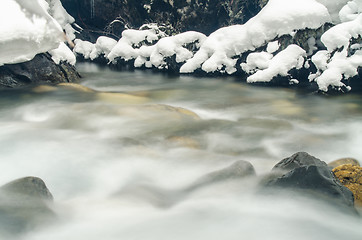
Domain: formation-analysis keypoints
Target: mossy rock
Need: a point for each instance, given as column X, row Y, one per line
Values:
column 351, row 177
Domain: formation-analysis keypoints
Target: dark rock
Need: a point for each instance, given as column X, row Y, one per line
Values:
column 41, row 69
column 24, row 205
column 114, row 16
column 300, row 159
column 308, row 175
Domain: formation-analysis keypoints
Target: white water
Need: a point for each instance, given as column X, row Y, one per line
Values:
column 115, row 170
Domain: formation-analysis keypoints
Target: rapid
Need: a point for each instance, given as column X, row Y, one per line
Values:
column 117, row 153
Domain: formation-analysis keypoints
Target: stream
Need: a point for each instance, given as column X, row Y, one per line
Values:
column 116, row 153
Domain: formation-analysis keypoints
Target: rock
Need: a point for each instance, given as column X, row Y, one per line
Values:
column 24, row 205
column 183, row 15
column 76, row 87
column 300, row 159
column 351, row 177
column 306, row 174
column 40, row 70
column 166, row 198
column 238, row 169
column 343, row 161
column 183, row 141
column 121, row 98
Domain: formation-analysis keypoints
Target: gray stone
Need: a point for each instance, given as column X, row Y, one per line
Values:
column 41, row 69
column 24, row 205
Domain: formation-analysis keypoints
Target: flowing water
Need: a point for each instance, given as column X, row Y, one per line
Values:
column 117, row 158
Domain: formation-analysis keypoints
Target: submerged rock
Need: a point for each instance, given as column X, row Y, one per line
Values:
column 166, row 198
column 351, row 177
column 238, row 169
column 24, row 205
column 309, row 175
column 41, row 69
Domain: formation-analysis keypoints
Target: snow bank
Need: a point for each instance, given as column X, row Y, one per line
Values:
column 263, row 38
column 277, row 18
column 341, row 60
column 28, row 29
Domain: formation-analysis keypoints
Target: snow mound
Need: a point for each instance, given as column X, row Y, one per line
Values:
column 63, row 54
column 277, row 18
column 342, row 59
column 28, row 28
column 280, row 64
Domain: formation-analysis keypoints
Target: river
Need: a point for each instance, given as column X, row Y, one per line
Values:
column 116, row 154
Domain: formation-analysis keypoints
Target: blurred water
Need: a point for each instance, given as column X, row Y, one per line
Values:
column 115, row 163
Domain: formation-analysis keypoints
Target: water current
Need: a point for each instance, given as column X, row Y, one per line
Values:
column 117, row 153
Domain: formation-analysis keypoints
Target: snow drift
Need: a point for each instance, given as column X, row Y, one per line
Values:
column 32, row 27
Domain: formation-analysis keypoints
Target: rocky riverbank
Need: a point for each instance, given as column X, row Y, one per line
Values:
column 300, row 45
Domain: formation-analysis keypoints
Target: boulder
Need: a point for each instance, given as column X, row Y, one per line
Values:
column 305, row 174
column 351, row 177
column 300, row 159
column 24, row 205
column 41, row 69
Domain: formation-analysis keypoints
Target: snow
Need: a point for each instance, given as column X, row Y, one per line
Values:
column 277, row 18
column 57, row 11
column 340, row 35
column 272, row 47
column 130, row 47
column 103, row 46
column 63, row 53
column 28, row 29
column 256, row 61
column 26, row 32
column 338, row 63
column 280, row 64
column 84, row 48
column 334, row 6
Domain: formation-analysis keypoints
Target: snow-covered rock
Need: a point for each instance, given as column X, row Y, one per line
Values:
column 305, row 41
column 28, row 28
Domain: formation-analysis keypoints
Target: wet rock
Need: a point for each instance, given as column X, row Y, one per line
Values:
column 351, row 177
column 300, row 159
column 306, row 174
column 239, row 169
column 166, row 198
column 24, row 205
column 343, row 161
column 40, row 70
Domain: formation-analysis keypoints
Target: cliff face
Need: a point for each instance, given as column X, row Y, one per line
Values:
column 199, row 15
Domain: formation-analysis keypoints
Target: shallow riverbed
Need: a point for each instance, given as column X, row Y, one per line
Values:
column 114, row 154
